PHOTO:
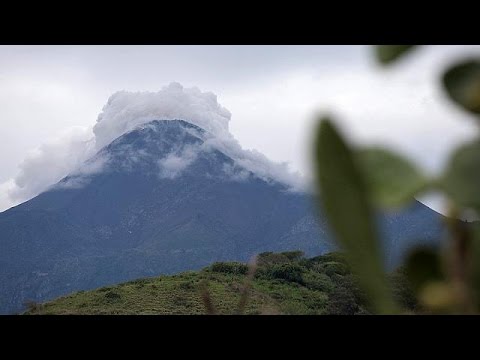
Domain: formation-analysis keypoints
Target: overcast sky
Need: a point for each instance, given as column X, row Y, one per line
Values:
column 272, row 92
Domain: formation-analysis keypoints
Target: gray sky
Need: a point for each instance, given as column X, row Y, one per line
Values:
column 48, row 93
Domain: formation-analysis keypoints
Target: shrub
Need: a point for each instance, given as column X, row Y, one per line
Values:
column 293, row 255
column 105, row 289
column 234, row 268
column 112, row 296
column 293, row 307
column 402, row 290
column 269, row 258
column 186, row 285
column 331, row 268
column 288, row 272
column 316, row 300
column 181, row 301
column 334, row 256
column 342, row 302
column 318, row 281
column 141, row 281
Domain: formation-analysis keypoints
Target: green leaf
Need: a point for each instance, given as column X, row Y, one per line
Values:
column 391, row 179
column 387, row 54
column 345, row 202
column 423, row 266
column 462, row 83
column 461, row 180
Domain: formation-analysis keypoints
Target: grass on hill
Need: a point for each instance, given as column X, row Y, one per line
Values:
column 284, row 283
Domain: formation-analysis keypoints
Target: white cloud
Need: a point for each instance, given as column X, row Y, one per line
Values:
column 236, row 173
column 256, row 162
column 5, row 200
column 80, row 176
column 126, row 110
column 174, row 163
column 49, row 163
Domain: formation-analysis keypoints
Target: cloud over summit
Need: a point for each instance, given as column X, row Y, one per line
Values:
column 124, row 112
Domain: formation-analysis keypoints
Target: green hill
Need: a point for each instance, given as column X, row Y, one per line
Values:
column 284, row 283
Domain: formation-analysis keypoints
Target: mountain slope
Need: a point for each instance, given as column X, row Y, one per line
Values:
column 158, row 200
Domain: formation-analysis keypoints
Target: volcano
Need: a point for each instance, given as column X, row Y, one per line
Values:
column 164, row 197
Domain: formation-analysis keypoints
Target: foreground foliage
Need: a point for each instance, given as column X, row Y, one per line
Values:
column 354, row 182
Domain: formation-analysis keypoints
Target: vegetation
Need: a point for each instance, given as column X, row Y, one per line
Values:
column 353, row 182
column 283, row 283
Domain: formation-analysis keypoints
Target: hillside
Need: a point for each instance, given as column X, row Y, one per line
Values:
column 284, row 283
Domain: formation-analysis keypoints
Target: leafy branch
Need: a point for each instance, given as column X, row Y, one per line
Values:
column 354, row 181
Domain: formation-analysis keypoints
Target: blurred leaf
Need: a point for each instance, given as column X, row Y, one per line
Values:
column 345, row 202
column 461, row 180
column 387, row 54
column 475, row 263
column 391, row 179
column 422, row 267
column 462, row 82
column 437, row 296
